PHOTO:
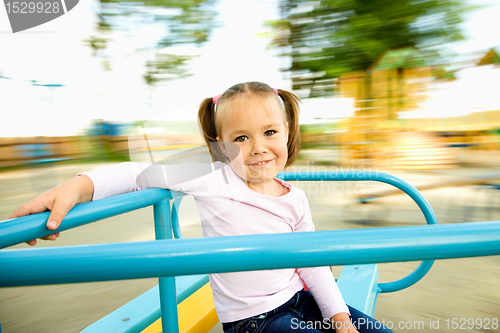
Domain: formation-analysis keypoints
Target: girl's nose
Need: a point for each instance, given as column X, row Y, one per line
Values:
column 258, row 147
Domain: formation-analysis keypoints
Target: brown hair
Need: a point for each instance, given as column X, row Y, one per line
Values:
column 207, row 117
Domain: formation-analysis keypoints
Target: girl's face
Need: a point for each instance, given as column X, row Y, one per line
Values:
column 256, row 138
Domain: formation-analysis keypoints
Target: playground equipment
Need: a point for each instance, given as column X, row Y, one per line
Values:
column 182, row 265
column 366, row 208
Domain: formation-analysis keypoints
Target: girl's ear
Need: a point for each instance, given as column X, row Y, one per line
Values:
column 222, row 147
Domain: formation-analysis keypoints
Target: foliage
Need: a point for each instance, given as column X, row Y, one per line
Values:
column 188, row 21
column 329, row 37
column 183, row 22
column 165, row 67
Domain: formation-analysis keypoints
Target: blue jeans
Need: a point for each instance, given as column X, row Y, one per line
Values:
column 300, row 314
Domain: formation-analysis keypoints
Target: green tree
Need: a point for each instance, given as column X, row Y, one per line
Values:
column 329, row 37
column 183, row 22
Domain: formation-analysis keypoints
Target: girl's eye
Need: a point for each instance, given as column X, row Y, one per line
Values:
column 270, row 132
column 241, row 138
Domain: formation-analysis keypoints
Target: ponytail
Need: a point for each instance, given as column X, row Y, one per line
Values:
column 291, row 106
column 206, row 121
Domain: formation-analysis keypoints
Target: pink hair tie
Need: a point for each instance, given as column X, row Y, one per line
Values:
column 276, row 91
column 216, row 98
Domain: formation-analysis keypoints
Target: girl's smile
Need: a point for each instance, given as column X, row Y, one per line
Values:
column 260, row 164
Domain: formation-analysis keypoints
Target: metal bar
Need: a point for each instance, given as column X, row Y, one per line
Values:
column 30, row 227
column 176, row 227
column 422, row 203
column 175, row 257
column 410, row 279
column 168, row 295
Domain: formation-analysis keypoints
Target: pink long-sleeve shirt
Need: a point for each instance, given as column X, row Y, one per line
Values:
column 227, row 207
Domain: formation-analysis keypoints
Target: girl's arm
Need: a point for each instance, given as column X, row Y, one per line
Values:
column 116, row 179
column 106, row 182
column 59, row 200
column 93, row 185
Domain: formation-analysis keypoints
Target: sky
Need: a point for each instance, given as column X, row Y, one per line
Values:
column 54, row 53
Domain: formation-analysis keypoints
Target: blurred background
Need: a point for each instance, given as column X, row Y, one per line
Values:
column 409, row 86
column 400, row 86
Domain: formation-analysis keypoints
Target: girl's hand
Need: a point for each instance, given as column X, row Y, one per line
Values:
column 59, row 200
column 342, row 323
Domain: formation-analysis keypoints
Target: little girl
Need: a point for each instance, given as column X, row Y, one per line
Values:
column 256, row 134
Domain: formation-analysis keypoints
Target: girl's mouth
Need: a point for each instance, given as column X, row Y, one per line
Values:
column 259, row 164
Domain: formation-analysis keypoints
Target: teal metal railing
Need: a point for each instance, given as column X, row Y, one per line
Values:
column 167, row 258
